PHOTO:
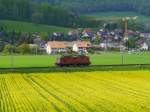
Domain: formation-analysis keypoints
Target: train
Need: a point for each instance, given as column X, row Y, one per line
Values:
column 73, row 60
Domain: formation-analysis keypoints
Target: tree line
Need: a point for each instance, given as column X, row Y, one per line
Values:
column 84, row 6
column 43, row 13
column 64, row 12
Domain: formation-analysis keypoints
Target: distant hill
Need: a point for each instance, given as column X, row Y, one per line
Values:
column 39, row 13
column 67, row 13
column 30, row 27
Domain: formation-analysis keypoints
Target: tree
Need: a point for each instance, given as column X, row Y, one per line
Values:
column 132, row 43
column 8, row 49
column 90, row 50
column 24, row 37
column 97, row 40
column 23, row 48
column 1, row 45
column 37, row 17
column 34, row 49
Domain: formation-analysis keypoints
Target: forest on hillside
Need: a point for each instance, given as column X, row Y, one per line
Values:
column 84, row 6
column 66, row 12
column 43, row 13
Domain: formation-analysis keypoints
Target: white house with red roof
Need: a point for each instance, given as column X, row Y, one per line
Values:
column 81, row 46
column 144, row 46
column 61, row 46
column 55, row 46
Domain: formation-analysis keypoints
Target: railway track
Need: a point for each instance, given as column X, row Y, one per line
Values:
column 84, row 68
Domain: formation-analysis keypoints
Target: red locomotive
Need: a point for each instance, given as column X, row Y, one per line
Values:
column 73, row 60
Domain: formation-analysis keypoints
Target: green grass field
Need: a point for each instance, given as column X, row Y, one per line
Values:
column 96, row 59
column 76, row 92
column 116, row 16
column 30, row 27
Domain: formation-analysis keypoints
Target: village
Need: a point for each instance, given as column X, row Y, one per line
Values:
column 87, row 40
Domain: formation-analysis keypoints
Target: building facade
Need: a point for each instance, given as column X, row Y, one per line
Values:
column 62, row 46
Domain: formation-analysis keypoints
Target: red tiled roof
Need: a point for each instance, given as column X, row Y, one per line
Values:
column 64, row 44
column 56, row 44
column 87, row 30
column 83, row 44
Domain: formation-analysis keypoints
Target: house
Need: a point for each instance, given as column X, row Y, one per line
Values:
column 104, row 32
column 55, row 36
column 55, row 46
column 72, row 35
column 39, row 41
column 88, row 33
column 61, row 46
column 81, row 46
column 73, row 31
column 144, row 46
column 145, row 35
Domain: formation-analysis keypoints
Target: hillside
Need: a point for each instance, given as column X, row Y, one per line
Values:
column 39, row 13
column 65, row 12
column 84, row 6
column 30, row 27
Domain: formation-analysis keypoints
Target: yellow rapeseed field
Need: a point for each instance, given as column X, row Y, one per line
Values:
column 117, row 91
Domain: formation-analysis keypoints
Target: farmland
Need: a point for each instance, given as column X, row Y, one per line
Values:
column 115, row 91
column 96, row 59
column 116, row 16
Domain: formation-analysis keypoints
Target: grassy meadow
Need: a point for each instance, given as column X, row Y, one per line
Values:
column 116, row 16
column 117, row 91
column 96, row 59
column 30, row 27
